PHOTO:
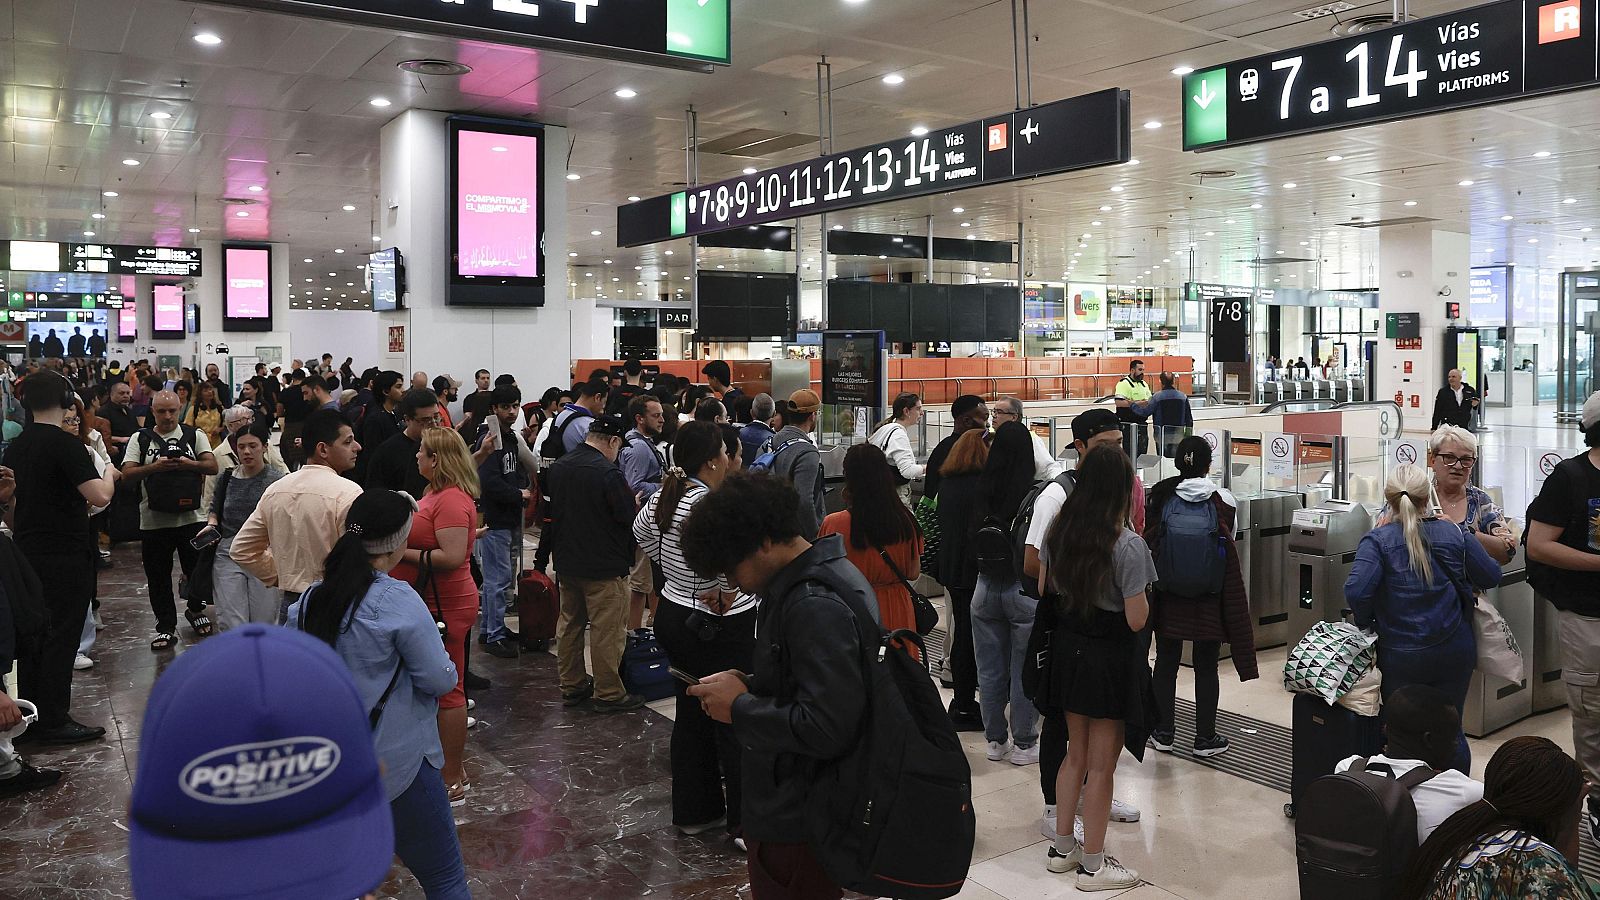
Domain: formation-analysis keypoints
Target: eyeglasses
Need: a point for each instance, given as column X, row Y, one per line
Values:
column 1003, row 412
column 434, row 419
column 1456, row 462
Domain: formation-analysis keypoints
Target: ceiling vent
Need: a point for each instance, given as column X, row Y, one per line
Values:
column 1367, row 24
column 1379, row 223
column 1277, row 260
column 1327, row 9
column 1203, row 174
column 240, row 201
column 434, row 67
column 754, row 143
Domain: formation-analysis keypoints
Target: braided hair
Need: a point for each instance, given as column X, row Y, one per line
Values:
column 1530, row 784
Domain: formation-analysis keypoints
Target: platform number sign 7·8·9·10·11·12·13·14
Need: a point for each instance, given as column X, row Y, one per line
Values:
column 1486, row 54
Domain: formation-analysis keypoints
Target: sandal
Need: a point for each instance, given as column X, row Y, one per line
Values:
column 163, row 641
column 457, row 793
column 200, row 622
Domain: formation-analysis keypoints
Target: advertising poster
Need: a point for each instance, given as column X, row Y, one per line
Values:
column 497, row 204
column 248, row 295
column 168, row 309
column 1486, row 295
column 852, row 368
column 1088, row 305
column 128, row 320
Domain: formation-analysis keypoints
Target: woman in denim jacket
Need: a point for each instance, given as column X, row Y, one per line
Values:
column 1412, row 582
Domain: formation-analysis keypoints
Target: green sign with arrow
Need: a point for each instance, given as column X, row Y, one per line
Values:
column 1205, row 107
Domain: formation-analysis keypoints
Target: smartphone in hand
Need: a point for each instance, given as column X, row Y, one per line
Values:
column 681, row 675
column 208, row 535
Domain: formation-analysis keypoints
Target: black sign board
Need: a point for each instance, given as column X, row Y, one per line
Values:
column 691, row 34
column 1402, row 326
column 852, row 368
column 1486, row 54
column 674, row 318
column 1077, row 133
column 123, row 259
column 1230, row 329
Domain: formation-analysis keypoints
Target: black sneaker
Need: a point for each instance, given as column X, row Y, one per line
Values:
column 502, row 648
column 1162, row 740
column 1592, row 817
column 625, row 703
column 1216, row 745
column 29, row 779
column 477, row 682
column 570, row 699
column 70, row 732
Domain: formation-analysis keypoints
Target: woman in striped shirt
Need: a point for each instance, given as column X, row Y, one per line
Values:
column 706, row 626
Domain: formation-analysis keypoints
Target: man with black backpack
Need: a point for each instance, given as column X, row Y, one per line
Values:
column 837, row 721
column 171, row 462
column 1564, row 568
column 566, row 431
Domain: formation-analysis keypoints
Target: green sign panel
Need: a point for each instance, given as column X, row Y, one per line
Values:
column 698, row 28
column 680, row 213
column 1205, row 107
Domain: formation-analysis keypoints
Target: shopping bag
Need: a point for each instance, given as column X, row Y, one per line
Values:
column 1329, row 660
column 927, row 515
column 1366, row 696
column 1498, row 653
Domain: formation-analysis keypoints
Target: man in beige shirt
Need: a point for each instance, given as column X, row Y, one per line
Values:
column 300, row 517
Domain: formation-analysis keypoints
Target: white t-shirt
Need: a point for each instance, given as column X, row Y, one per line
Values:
column 1045, row 509
column 1436, row 799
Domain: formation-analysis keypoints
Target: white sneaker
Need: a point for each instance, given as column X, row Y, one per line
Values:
column 1025, row 756
column 1047, row 827
column 1120, row 812
column 82, row 662
column 999, row 751
column 471, row 703
column 471, row 722
column 1061, row 865
column 1113, row 876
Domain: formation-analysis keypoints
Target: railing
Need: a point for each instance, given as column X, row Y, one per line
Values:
column 1034, row 383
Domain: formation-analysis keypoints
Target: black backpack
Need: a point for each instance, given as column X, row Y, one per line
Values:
column 554, row 445
column 172, row 492
column 1024, row 522
column 893, row 817
column 1567, row 589
column 1356, row 831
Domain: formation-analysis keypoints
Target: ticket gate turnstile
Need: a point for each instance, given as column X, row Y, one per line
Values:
column 1493, row 702
column 1322, row 550
column 1549, row 691
column 1267, row 571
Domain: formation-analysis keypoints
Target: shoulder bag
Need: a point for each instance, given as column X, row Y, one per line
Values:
column 1498, row 651
column 425, row 581
column 927, row 615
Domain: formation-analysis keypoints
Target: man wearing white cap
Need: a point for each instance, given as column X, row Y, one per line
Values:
column 1564, row 567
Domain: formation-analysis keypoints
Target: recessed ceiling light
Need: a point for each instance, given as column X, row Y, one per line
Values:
column 333, row 274
column 838, row 228
column 966, row 224
column 633, row 199
column 573, row 253
column 972, row 237
column 160, row 116
column 1132, row 162
column 1570, row 200
column 379, row 102
column 1533, row 240
column 1227, row 221
column 958, row 209
column 97, row 215
column 255, row 188
column 894, row 78
column 608, row 262
column 1152, row 125
column 1255, row 206
column 308, row 281
column 194, row 231
column 1411, row 203
column 627, row 93
column 588, row 274
column 338, row 249
column 108, row 193
column 750, row 170
column 1211, row 234
column 1507, row 218
column 1542, row 154
column 669, row 252
column 919, row 131
column 207, row 38
column 1465, row 182
column 1096, row 222
column 573, row 176
column 307, row 259
column 1105, row 209
column 376, row 238
column 1289, row 185
column 88, row 234
column 349, row 208
column 1116, row 189
column 722, row 267
column 1334, row 157
column 1180, row 71
column 1585, row 230
column 1305, row 243
column 130, row 162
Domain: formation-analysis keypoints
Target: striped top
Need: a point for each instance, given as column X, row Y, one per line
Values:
column 683, row 585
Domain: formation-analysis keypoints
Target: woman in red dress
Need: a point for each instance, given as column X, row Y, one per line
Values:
column 880, row 535
column 436, row 564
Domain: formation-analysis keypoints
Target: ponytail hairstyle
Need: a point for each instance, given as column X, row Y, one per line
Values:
column 1408, row 495
column 378, row 522
column 1193, row 456
column 696, row 444
column 1084, row 536
column 1530, row 784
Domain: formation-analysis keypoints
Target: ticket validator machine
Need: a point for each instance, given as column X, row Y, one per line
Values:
column 1322, row 550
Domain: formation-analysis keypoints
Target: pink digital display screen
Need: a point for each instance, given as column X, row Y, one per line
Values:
column 497, row 205
column 128, row 319
column 248, row 294
column 168, row 309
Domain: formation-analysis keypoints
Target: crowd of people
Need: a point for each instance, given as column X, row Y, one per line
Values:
column 385, row 518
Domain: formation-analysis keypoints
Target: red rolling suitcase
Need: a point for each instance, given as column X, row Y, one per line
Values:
column 538, row 607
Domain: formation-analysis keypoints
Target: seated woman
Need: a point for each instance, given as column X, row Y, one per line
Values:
column 1520, row 842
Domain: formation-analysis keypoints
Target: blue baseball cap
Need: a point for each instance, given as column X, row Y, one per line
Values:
column 257, row 776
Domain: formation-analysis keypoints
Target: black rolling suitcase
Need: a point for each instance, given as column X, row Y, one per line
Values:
column 1324, row 734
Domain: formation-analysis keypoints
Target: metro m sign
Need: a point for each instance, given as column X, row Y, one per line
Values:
column 1560, row 21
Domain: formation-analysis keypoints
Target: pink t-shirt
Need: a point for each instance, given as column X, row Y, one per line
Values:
column 449, row 508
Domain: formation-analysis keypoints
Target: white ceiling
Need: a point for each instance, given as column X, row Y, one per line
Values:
column 283, row 103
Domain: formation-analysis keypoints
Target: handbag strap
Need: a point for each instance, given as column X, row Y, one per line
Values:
column 1467, row 597
column 896, row 570
column 426, row 580
column 383, row 700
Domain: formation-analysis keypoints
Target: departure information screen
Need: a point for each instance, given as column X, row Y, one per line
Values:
column 1486, row 54
column 1077, row 133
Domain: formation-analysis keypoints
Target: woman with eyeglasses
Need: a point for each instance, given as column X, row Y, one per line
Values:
column 705, row 625
column 1454, row 454
column 1412, row 583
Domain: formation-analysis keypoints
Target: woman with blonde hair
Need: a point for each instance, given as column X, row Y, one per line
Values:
column 1413, row 583
column 436, row 564
column 1452, row 454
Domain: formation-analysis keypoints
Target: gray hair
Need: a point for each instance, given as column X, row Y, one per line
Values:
column 1447, row 433
column 1012, row 404
column 763, row 407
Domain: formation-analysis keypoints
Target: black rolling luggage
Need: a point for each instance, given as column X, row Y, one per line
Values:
column 1324, row 734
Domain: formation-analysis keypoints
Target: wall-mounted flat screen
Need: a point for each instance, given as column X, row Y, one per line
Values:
column 496, row 214
column 66, row 332
column 191, row 318
column 386, row 279
column 246, row 288
column 166, row 312
column 35, row 256
column 128, row 321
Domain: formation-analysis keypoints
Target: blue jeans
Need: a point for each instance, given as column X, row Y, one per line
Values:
column 494, row 557
column 1447, row 666
column 425, row 837
column 1002, row 620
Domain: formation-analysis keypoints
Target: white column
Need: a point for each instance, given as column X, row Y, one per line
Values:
column 414, row 216
column 1415, row 264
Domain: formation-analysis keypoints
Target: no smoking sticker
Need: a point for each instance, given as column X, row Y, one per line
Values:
column 1405, row 454
column 1548, row 463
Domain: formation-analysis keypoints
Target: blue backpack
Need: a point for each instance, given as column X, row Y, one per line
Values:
column 1192, row 560
column 764, row 462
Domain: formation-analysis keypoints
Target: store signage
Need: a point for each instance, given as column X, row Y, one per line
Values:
column 1487, row 54
column 1077, row 133
column 123, row 259
column 679, row 33
column 675, row 318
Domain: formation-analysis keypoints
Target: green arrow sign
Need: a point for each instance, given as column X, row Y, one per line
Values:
column 1205, row 108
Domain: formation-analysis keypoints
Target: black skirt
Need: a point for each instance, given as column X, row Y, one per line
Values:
column 1100, row 669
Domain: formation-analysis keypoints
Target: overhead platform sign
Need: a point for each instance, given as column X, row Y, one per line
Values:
column 1077, row 133
column 689, row 34
column 1486, row 54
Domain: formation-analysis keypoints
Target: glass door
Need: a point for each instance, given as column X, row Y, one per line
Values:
column 1579, row 327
